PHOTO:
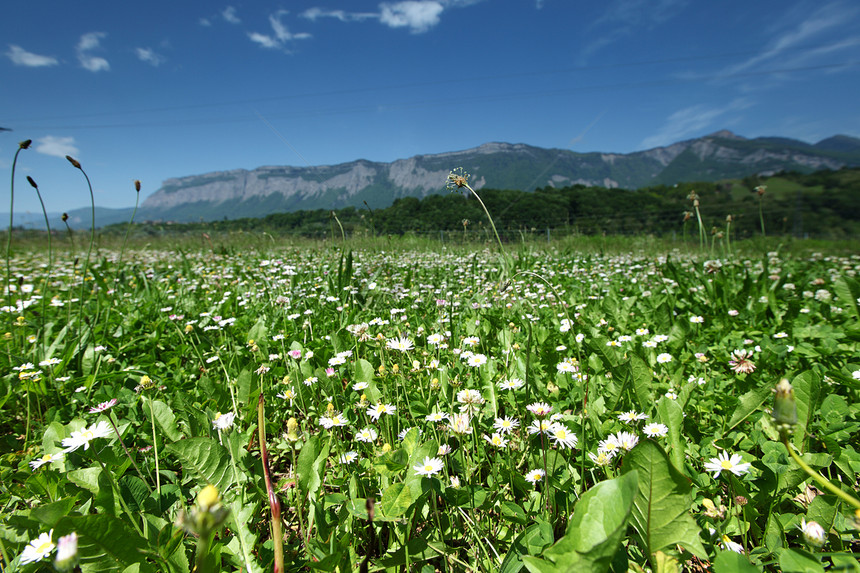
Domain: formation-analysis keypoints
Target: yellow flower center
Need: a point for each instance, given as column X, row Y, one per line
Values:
column 726, row 464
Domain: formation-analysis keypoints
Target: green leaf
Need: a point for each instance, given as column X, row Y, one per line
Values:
column 672, row 415
column 661, row 511
column 798, row 561
column 206, row 459
column 396, row 500
column 164, row 418
column 847, row 291
column 595, row 531
column 107, row 539
column 731, row 562
column 243, row 543
column 50, row 513
column 806, row 393
column 749, row 403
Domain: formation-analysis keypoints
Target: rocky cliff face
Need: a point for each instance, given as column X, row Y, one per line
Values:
column 495, row 165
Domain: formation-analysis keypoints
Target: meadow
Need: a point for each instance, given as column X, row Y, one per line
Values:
column 596, row 404
column 417, row 409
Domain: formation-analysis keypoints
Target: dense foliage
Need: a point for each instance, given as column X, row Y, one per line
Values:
column 432, row 411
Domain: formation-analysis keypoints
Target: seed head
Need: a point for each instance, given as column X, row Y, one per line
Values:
column 31, row 182
column 25, row 144
column 73, row 161
column 457, row 179
column 137, row 185
column 65, row 217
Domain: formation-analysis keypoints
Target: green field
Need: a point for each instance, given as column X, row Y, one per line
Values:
column 592, row 404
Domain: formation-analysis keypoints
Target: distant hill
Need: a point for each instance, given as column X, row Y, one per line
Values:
column 242, row 193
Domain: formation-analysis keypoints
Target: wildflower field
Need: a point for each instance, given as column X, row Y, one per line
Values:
column 321, row 408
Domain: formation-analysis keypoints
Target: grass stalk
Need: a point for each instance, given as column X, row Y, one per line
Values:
column 274, row 503
column 23, row 145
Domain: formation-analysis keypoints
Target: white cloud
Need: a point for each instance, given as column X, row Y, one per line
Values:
column 418, row 15
column 281, row 35
column 229, row 15
column 692, row 121
column 313, row 14
column 88, row 43
column 819, row 24
column 56, row 146
column 149, row 56
column 625, row 17
column 21, row 57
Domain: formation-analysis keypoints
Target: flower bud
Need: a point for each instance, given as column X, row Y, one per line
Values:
column 813, row 533
column 784, row 408
column 67, row 552
column 293, row 430
column 208, row 497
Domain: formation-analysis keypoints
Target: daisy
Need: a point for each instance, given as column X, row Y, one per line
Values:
column 655, row 430
column 626, row 440
column 359, row 386
column 697, row 319
column 610, row 446
column 223, row 421
column 471, row 341
column 46, row 459
column 333, row 421
column 348, row 457
column 540, row 427
column 534, row 476
column 516, row 383
column 444, row 450
column 539, row 409
column 429, row 467
column 288, row 394
column 664, row 358
column 368, row 434
column 561, row 436
column 460, row 424
column 476, row 360
column 402, row 344
column 601, row 459
column 103, row 406
column 37, row 549
column 725, row 462
column 67, row 551
column 435, row 339
column 506, row 425
column 436, row 417
column 84, row 437
column 496, row 440
column 730, row 545
column 379, row 409
column 632, row 417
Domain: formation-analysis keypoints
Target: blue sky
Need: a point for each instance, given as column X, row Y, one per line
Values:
column 158, row 89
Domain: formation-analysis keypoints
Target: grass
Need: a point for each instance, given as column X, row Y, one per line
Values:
column 214, row 331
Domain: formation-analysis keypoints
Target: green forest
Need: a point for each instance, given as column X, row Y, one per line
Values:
column 824, row 204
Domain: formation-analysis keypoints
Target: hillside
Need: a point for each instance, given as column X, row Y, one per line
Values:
column 722, row 155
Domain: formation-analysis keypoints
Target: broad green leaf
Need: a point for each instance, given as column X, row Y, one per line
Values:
column 595, row 531
column 206, row 459
column 244, row 541
column 847, row 291
column 164, row 418
column 396, row 500
column 731, row 562
column 806, row 393
column 134, row 492
column 661, row 512
column 799, row 561
column 749, row 403
column 305, row 464
column 259, row 332
column 107, row 539
column 50, row 513
column 672, row 415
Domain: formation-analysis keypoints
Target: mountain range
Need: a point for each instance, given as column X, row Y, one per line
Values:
column 264, row 190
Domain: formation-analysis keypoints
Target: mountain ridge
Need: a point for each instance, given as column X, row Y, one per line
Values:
column 237, row 193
